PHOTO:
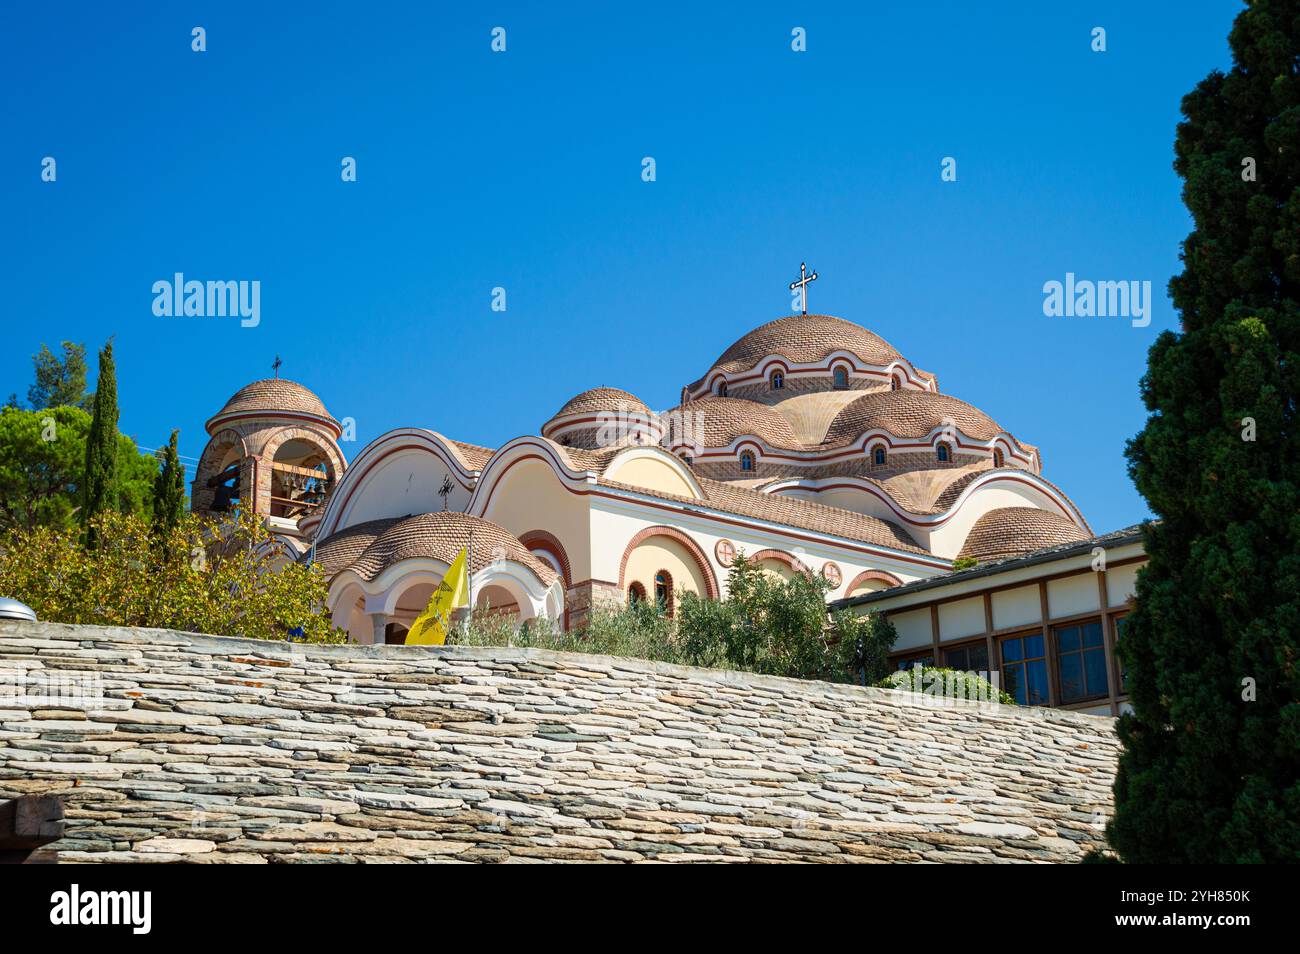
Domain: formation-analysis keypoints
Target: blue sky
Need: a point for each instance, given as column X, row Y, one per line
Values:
column 523, row 170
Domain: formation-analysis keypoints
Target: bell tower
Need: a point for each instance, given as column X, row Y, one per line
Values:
column 273, row 449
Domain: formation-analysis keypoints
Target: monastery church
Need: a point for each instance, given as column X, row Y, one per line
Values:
column 810, row 444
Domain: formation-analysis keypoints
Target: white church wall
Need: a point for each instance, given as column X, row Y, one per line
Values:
column 1072, row 595
column 947, row 539
column 961, row 618
column 1018, row 607
column 1121, row 583
column 913, row 628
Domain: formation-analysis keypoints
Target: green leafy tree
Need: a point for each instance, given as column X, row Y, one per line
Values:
column 1210, row 770
column 42, row 459
column 60, row 381
column 169, row 487
column 227, row 578
column 100, row 480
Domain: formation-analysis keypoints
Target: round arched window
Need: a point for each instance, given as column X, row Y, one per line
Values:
column 746, row 460
column 998, row 459
column 943, row 453
column 778, row 380
column 635, row 594
column 722, row 389
column 878, row 455
column 841, row 378
column 664, row 592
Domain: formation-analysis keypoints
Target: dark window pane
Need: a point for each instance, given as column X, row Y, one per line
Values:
column 1092, row 634
column 1094, row 664
column 1067, row 639
column 1036, row 682
column 1012, row 676
column 1071, row 678
column 955, row 658
column 1012, row 651
column 978, row 658
column 1034, row 647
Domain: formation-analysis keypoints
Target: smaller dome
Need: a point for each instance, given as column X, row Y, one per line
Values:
column 596, row 400
column 908, row 414
column 439, row 536
column 272, row 397
column 722, row 420
column 1014, row 531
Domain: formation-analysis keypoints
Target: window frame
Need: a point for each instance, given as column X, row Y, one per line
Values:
column 1023, row 662
column 1058, row 655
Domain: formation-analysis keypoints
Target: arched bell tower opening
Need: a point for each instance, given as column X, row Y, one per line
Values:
column 273, row 451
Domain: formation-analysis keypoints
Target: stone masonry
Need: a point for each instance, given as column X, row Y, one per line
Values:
column 171, row 746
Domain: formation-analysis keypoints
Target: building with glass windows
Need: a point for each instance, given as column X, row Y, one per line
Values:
column 1045, row 624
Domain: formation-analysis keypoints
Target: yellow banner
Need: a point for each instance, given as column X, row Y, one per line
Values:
column 430, row 627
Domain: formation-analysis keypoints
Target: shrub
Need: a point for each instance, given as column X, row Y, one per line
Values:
column 949, row 683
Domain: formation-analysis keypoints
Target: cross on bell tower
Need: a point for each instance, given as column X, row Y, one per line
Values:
column 802, row 285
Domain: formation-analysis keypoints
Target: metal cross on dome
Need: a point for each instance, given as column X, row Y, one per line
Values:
column 275, row 365
column 802, row 285
column 445, row 489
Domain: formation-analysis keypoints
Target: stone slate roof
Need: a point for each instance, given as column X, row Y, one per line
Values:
column 272, row 395
column 1012, row 531
column 211, row 750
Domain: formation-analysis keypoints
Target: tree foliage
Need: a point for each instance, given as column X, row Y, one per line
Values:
column 60, row 381
column 1210, row 770
column 42, row 459
column 169, row 487
column 100, row 490
column 201, row 575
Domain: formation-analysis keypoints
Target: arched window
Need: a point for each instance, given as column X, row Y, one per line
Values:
column 943, row 453
column 841, row 377
column 722, row 389
column 878, row 456
column 635, row 594
column 746, row 460
column 664, row 592
column 998, row 459
column 895, row 382
column 778, row 380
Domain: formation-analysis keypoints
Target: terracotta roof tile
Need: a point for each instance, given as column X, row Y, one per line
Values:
column 1012, row 531
column 272, row 395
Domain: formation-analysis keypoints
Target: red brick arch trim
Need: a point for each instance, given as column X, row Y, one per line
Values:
column 866, row 576
column 693, row 548
column 542, row 540
column 780, row 556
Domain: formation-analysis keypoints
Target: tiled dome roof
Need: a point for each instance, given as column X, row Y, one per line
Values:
column 908, row 414
column 1011, row 531
column 721, row 420
column 602, row 399
column 272, row 396
column 805, row 338
column 436, row 535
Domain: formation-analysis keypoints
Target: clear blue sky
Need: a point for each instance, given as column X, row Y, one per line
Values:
column 522, row 170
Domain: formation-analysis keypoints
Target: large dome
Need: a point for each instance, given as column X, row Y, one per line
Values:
column 272, row 397
column 805, row 338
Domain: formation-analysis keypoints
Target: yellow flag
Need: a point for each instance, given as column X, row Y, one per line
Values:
column 430, row 627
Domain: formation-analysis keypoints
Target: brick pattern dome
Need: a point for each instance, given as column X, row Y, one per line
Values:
column 804, row 338
column 721, row 420
column 439, row 536
column 908, row 414
column 272, row 396
column 1013, row 531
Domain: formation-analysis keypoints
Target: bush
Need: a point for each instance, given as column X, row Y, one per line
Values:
column 948, row 683
column 205, row 576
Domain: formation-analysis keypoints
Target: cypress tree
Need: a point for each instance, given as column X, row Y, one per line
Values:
column 1210, row 770
column 100, row 484
column 169, row 487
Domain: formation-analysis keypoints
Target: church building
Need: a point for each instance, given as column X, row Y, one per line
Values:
column 810, row 444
